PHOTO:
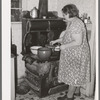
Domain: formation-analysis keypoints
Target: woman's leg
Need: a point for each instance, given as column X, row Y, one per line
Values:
column 70, row 94
column 71, row 91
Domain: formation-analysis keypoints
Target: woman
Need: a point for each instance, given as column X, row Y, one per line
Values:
column 74, row 64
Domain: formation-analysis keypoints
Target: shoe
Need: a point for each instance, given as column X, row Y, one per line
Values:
column 65, row 98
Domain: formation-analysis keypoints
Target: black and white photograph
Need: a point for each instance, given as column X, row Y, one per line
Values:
column 53, row 46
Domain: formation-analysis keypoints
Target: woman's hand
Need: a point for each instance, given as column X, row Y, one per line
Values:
column 52, row 42
column 56, row 41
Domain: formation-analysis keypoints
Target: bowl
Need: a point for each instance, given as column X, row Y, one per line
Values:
column 34, row 49
column 44, row 53
column 57, row 48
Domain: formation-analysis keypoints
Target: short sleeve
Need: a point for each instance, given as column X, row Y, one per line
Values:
column 76, row 28
column 62, row 34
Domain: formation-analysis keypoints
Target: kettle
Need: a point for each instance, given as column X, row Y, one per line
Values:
column 34, row 12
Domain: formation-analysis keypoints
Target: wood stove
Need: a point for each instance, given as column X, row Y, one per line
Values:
column 41, row 32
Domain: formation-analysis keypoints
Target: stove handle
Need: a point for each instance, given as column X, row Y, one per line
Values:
column 28, row 25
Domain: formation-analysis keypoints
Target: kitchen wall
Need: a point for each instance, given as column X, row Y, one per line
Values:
column 17, row 40
column 29, row 4
column 86, row 6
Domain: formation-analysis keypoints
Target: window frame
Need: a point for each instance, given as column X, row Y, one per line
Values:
column 17, row 8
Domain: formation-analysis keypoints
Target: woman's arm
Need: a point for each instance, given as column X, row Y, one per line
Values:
column 77, row 40
column 56, row 41
column 76, row 34
column 60, row 38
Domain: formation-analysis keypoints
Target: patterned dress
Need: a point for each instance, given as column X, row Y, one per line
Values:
column 74, row 64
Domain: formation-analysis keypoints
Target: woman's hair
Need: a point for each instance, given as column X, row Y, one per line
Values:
column 71, row 9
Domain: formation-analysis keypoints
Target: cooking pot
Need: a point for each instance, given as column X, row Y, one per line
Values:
column 44, row 53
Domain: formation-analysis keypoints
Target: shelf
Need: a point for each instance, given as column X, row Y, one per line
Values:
column 37, row 19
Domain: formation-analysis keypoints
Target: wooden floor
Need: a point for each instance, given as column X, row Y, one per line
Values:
column 31, row 96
